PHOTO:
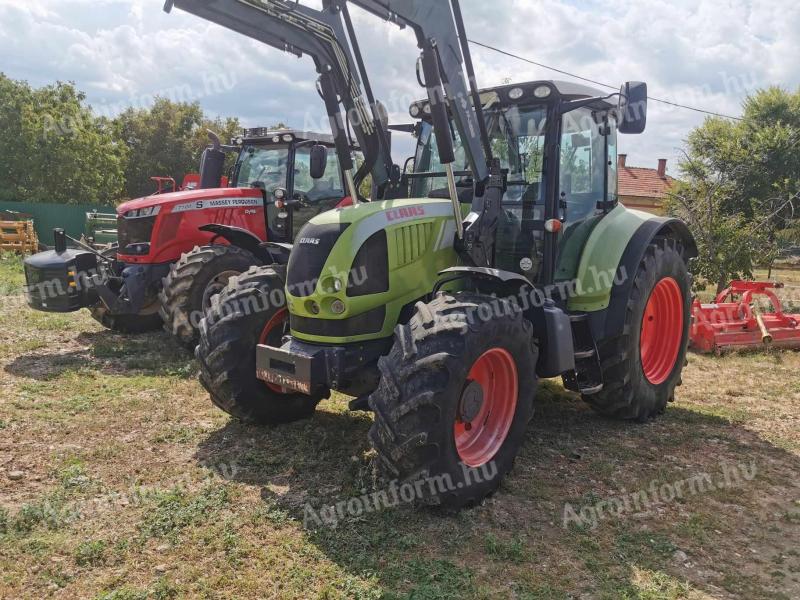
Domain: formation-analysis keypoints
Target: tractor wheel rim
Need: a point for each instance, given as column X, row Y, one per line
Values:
column 271, row 336
column 662, row 331
column 215, row 286
column 479, row 440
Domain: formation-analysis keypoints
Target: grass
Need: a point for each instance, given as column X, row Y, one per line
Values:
column 134, row 486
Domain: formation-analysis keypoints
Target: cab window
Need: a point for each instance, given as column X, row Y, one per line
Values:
column 328, row 187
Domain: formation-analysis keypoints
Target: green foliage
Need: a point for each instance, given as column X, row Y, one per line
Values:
column 90, row 554
column 124, row 593
column 51, row 512
column 53, row 148
column 12, row 276
column 741, row 186
column 3, row 520
column 166, row 140
column 176, row 509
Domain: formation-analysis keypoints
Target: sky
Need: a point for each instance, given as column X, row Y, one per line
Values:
column 709, row 54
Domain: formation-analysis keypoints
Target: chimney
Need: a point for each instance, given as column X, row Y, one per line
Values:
column 662, row 167
column 621, row 161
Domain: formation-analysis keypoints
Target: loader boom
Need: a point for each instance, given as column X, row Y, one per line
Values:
column 445, row 54
column 299, row 30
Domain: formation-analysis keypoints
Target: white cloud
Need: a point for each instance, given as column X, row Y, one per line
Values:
column 708, row 53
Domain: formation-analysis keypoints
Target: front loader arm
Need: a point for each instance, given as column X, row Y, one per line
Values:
column 299, row 30
column 439, row 29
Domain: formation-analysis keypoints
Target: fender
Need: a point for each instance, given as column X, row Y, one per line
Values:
column 242, row 238
column 609, row 323
column 622, row 233
column 551, row 325
column 279, row 252
column 506, row 279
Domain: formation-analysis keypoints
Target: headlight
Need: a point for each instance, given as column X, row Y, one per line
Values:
column 516, row 93
column 542, row 91
column 141, row 213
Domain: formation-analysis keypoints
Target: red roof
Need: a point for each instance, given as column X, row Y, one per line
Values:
column 643, row 182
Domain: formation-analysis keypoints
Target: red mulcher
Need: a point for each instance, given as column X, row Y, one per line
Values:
column 729, row 323
column 176, row 250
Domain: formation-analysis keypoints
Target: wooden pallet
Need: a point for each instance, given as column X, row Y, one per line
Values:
column 18, row 236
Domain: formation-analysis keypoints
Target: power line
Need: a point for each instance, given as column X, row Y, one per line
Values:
column 600, row 83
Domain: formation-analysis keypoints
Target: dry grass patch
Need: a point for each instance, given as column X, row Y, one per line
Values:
column 134, row 486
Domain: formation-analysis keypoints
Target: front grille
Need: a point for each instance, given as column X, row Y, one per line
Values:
column 367, row 323
column 309, row 254
column 134, row 231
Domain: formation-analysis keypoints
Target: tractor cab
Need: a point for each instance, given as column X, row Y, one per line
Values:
column 281, row 160
column 523, row 122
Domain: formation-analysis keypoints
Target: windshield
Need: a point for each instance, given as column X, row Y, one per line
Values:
column 267, row 165
column 517, row 138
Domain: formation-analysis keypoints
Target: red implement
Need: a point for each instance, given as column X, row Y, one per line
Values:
column 735, row 321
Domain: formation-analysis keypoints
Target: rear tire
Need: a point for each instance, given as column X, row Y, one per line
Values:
column 628, row 391
column 239, row 316
column 423, row 404
column 187, row 290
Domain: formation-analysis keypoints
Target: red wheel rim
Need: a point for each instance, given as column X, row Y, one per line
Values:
column 662, row 330
column 271, row 336
column 479, row 436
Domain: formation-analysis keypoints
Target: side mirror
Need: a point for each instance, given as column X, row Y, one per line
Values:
column 633, row 107
column 319, row 161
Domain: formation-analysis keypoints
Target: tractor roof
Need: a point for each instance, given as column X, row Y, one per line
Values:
column 565, row 90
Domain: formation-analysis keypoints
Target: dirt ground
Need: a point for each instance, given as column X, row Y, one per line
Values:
column 119, row 479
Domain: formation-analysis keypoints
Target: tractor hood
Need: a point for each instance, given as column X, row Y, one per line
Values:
column 352, row 270
column 169, row 202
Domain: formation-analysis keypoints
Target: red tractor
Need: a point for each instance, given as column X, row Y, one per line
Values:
column 177, row 250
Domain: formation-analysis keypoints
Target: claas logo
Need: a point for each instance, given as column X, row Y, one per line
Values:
column 408, row 212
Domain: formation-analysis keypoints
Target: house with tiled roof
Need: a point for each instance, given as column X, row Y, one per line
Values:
column 642, row 188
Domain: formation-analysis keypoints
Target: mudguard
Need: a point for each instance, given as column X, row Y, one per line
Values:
column 242, row 238
column 497, row 276
column 606, row 306
column 619, row 240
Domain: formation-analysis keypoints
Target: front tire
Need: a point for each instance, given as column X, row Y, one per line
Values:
column 455, row 398
column 642, row 367
column 251, row 310
column 191, row 283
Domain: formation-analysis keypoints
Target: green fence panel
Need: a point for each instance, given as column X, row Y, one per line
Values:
column 46, row 217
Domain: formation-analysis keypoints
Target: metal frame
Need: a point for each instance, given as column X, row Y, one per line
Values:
column 299, row 30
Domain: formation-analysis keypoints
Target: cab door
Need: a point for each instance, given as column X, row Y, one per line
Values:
column 586, row 184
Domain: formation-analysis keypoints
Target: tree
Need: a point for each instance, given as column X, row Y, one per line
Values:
column 53, row 148
column 166, row 140
column 742, row 185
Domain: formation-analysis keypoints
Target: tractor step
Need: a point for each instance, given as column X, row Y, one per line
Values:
column 594, row 389
column 587, row 377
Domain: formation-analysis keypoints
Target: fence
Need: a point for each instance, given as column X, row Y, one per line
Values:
column 46, row 217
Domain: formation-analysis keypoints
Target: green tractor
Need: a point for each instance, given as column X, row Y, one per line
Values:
column 503, row 257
